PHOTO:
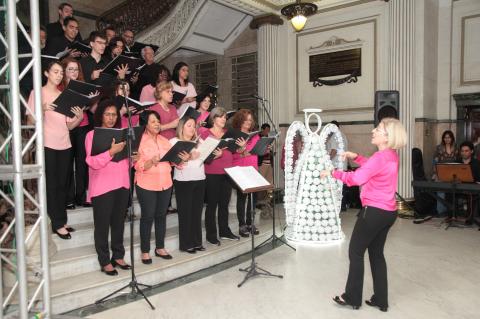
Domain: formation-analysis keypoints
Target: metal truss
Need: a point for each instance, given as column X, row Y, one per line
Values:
column 24, row 265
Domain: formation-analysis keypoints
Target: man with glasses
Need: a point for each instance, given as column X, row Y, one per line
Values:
column 93, row 64
column 61, row 43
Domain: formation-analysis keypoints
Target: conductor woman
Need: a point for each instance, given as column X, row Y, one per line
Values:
column 378, row 177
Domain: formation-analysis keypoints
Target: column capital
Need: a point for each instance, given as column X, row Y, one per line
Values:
column 272, row 19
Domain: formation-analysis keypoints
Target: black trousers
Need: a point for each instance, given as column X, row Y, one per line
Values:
column 244, row 208
column 154, row 206
column 189, row 195
column 109, row 214
column 370, row 232
column 57, row 169
column 78, row 180
column 218, row 192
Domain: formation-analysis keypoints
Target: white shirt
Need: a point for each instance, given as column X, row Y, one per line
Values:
column 193, row 170
column 189, row 91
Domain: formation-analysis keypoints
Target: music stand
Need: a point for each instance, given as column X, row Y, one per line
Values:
column 454, row 173
column 249, row 181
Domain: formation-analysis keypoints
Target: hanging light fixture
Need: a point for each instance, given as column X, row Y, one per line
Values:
column 298, row 12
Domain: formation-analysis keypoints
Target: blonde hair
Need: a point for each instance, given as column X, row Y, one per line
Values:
column 160, row 87
column 180, row 126
column 396, row 133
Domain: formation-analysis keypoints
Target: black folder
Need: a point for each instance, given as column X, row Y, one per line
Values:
column 103, row 137
column 262, row 144
column 178, row 97
column 139, row 106
column 223, row 143
column 68, row 99
column 84, row 87
column 120, row 60
column 190, row 112
column 235, row 134
column 81, row 47
column 230, row 114
column 177, row 148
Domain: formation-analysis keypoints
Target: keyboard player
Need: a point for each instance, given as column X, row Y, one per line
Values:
column 466, row 157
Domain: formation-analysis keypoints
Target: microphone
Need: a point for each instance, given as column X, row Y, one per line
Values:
column 258, row 97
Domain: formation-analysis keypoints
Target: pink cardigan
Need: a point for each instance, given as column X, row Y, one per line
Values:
column 378, row 176
column 103, row 174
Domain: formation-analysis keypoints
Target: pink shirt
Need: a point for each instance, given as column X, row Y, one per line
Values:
column 250, row 160
column 377, row 176
column 157, row 177
column 165, row 118
column 55, row 131
column 217, row 166
column 104, row 175
column 203, row 117
column 135, row 120
column 147, row 93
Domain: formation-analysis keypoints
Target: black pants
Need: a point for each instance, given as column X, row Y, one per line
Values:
column 370, row 232
column 154, row 206
column 78, row 181
column 189, row 195
column 244, row 212
column 57, row 170
column 109, row 214
column 218, row 192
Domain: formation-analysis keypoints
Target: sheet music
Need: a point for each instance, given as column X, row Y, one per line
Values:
column 206, row 147
column 246, row 177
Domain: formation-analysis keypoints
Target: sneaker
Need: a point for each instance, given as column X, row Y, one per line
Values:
column 243, row 231
column 230, row 237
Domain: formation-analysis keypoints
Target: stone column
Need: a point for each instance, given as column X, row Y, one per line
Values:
column 402, row 54
column 268, row 74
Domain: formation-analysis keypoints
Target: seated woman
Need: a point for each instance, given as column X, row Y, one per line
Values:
column 108, row 189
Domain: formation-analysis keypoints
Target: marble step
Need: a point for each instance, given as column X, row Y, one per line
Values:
column 79, row 260
column 83, row 234
column 85, row 289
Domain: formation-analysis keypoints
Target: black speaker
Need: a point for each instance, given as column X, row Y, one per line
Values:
column 386, row 105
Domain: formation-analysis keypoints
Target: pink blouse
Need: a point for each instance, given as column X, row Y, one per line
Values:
column 165, row 118
column 157, row 177
column 147, row 93
column 250, row 160
column 56, row 134
column 104, row 175
column 378, row 177
column 217, row 166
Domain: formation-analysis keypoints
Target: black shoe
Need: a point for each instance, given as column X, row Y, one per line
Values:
column 147, row 261
column 124, row 267
column 214, row 241
column 109, row 272
column 167, row 256
column 200, row 248
column 255, row 230
column 243, row 231
column 372, row 303
column 70, row 229
column 190, row 250
column 70, row 206
column 63, row 236
column 230, row 236
column 171, row 210
column 87, row 205
column 342, row 302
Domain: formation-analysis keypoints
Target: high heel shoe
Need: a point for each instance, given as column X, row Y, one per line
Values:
column 124, row 267
column 109, row 272
column 63, row 236
column 342, row 302
column 372, row 303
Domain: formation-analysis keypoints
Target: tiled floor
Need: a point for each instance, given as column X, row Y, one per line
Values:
column 433, row 274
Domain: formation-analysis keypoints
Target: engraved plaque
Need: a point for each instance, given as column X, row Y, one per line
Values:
column 345, row 62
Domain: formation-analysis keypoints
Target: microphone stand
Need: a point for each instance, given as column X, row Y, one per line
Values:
column 133, row 284
column 273, row 238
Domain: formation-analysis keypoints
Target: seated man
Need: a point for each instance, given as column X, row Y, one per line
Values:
column 466, row 157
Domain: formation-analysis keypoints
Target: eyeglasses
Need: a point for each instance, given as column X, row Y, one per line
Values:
column 73, row 69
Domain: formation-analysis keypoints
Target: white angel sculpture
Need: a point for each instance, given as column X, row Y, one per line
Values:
column 312, row 204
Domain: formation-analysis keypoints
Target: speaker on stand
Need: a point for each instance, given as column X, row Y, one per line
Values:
column 386, row 105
